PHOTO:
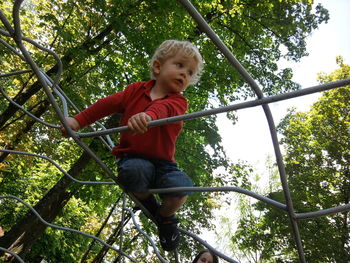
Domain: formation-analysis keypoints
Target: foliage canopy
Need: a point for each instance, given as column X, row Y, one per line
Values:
column 105, row 45
column 317, row 145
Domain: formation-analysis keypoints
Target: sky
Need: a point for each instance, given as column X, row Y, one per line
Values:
column 250, row 139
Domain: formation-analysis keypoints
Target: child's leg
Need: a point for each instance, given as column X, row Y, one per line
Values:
column 169, row 235
column 136, row 175
column 169, row 176
column 142, row 196
column 149, row 202
column 171, row 205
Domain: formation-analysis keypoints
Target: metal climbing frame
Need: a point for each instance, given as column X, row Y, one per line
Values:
column 52, row 89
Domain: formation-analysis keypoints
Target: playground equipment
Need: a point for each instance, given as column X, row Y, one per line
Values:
column 53, row 91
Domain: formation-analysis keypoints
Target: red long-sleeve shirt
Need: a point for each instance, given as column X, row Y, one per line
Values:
column 158, row 142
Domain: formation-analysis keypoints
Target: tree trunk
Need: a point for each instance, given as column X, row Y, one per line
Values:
column 21, row 236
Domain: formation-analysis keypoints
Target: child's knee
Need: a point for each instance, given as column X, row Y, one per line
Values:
column 135, row 174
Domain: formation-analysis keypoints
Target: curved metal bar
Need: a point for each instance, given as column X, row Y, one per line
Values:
column 285, row 186
column 6, row 23
column 147, row 236
column 238, row 106
column 13, row 254
column 204, row 26
column 54, row 90
column 221, row 189
column 18, row 39
column 204, row 243
column 109, row 143
column 324, row 212
column 9, row 46
column 66, row 228
column 64, row 98
column 17, row 34
column 57, row 166
column 48, row 92
column 14, row 73
column 27, row 112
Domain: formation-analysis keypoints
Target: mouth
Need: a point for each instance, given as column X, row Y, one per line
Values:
column 179, row 81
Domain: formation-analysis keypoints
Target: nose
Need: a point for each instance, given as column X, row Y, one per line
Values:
column 184, row 73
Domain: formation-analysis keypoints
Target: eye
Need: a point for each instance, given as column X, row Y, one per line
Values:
column 179, row 65
column 190, row 72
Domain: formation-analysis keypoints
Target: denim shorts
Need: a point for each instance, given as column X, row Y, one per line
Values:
column 137, row 175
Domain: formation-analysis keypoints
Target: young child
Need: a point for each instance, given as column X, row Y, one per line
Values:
column 147, row 155
column 206, row 256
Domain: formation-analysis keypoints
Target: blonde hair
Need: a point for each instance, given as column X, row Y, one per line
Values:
column 169, row 48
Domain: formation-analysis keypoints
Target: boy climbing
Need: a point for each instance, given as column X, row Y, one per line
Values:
column 146, row 155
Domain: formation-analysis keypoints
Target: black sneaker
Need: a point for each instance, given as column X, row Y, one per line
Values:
column 169, row 235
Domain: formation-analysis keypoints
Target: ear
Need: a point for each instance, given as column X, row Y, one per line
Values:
column 156, row 67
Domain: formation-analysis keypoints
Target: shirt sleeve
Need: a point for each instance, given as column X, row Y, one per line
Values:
column 114, row 103
column 168, row 107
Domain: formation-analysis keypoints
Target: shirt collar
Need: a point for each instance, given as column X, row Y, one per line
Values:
column 149, row 85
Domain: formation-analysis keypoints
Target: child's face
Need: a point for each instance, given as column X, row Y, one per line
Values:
column 205, row 258
column 175, row 73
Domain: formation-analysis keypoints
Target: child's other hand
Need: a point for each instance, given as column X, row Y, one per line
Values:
column 72, row 123
column 138, row 122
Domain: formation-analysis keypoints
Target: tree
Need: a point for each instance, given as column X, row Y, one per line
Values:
column 226, row 239
column 103, row 46
column 317, row 158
